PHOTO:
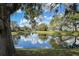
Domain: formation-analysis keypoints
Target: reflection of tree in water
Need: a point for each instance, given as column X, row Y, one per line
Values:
column 42, row 27
column 33, row 40
column 43, row 36
column 15, row 38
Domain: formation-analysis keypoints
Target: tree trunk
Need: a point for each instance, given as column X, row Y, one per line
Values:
column 60, row 37
column 76, row 31
column 60, row 29
column 6, row 43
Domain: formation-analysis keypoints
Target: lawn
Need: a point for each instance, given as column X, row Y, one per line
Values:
column 47, row 52
column 57, row 33
column 54, row 33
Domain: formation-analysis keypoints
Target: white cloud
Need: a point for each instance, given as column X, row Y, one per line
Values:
column 40, row 41
column 46, row 10
column 27, row 39
column 50, row 17
column 24, row 22
column 19, row 11
column 34, row 41
column 35, row 18
column 34, row 38
column 16, row 46
column 22, row 37
column 46, row 47
column 45, row 16
column 70, row 42
column 77, row 41
column 40, row 23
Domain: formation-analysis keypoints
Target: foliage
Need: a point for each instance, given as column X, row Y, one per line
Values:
column 73, row 17
column 42, row 27
column 56, row 22
column 59, row 33
column 33, row 10
column 54, row 44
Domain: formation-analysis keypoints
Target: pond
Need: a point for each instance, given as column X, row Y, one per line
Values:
column 31, row 41
column 34, row 40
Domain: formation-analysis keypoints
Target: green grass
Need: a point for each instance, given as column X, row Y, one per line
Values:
column 14, row 33
column 47, row 52
column 54, row 33
column 57, row 33
column 19, row 33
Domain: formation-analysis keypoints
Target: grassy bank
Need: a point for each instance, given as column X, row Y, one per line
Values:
column 57, row 33
column 19, row 33
column 47, row 52
column 54, row 33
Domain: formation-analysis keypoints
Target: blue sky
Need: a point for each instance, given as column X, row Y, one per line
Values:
column 19, row 15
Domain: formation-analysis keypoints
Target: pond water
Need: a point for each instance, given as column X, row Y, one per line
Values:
column 32, row 41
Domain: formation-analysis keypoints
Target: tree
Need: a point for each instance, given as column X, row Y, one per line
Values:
column 14, row 26
column 7, row 46
column 70, row 16
column 32, row 10
column 35, row 10
column 56, row 25
column 42, row 27
column 73, row 16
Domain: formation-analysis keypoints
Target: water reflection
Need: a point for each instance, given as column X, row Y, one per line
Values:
column 35, row 41
column 32, row 41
